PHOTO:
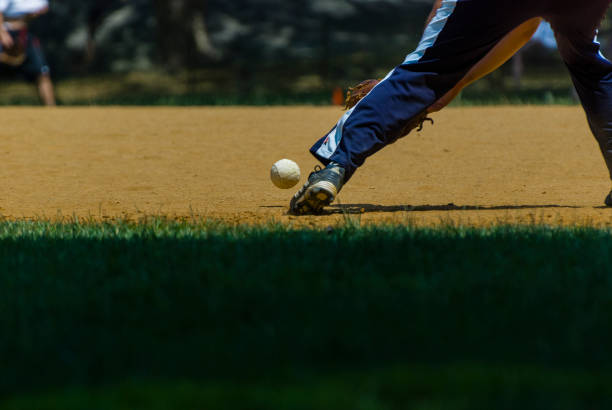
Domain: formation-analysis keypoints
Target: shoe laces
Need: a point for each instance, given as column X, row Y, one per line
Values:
column 317, row 168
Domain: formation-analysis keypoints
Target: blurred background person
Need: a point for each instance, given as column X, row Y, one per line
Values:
column 21, row 51
column 544, row 38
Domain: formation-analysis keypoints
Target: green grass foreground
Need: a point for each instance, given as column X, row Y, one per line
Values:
column 165, row 314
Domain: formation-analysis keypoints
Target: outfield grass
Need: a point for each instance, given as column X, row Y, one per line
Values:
column 145, row 315
column 323, row 98
column 155, row 89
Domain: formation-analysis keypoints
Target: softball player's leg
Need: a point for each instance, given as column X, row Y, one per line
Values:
column 591, row 73
column 460, row 43
column 36, row 69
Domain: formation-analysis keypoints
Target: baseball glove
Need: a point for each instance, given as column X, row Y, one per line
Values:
column 356, row 93
column 15, row 55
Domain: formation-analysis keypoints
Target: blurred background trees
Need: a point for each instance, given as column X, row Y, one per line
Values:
column 250, row 48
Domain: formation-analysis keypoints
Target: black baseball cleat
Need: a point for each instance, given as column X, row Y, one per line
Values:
column 320, row 190
column 609, row 199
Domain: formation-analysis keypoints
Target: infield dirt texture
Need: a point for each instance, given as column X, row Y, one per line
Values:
column 476, row 166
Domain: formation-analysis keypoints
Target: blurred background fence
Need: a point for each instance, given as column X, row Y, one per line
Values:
column 252, row 52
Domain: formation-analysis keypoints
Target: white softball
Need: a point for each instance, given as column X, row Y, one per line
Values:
column 285, row 174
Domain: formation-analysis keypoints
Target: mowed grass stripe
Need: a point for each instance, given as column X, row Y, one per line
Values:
column 451, row 387
column 84, row 304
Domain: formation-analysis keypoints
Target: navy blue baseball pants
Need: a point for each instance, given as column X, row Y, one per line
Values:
column 459, row 36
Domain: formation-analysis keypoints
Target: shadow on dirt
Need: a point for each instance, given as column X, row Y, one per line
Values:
column 365, row 208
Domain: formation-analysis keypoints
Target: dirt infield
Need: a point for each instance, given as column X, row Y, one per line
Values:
column 475, row 166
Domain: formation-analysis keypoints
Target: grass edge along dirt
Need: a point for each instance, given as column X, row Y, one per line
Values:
column 62, row 226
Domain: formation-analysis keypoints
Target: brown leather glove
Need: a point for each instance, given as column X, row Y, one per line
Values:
column 356, row 93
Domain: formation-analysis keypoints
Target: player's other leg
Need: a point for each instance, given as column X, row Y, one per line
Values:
column 45, row 89
column 591, row 72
